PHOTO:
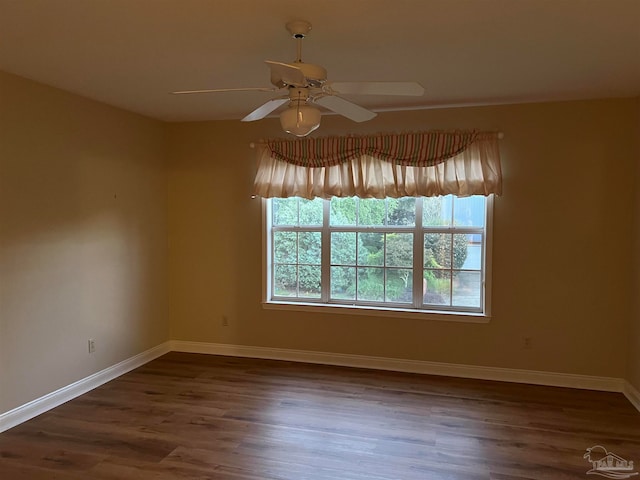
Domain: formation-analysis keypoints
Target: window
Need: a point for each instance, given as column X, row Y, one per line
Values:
column 425, row 253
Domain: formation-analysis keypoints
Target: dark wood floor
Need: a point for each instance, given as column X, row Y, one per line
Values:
column 186, row 416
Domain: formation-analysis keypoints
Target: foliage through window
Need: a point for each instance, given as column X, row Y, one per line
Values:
column 399, row 253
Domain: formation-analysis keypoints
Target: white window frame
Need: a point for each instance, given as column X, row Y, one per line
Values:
column 376, row 309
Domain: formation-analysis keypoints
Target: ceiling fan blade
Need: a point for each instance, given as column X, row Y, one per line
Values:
column 345, row 108
column 378, row 88
column 213, row 90
column 265, row 109
column 284, row 72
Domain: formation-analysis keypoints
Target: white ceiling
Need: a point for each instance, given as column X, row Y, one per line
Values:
column 131, row 53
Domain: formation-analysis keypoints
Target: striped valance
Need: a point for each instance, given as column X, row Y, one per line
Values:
column 421, row 149
column 380, row 166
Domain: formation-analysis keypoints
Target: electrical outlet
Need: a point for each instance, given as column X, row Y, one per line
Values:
column 225, row 321
column 92, row 345
column 527, row 343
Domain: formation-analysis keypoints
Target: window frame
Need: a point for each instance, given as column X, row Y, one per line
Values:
column 386, row 309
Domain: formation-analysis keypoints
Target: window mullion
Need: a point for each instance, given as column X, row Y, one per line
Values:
column 298, row 262
column 451, row 246
column 325, row 253
column 418, row 253
column 384, row 266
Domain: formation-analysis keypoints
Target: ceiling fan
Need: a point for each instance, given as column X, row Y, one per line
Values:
column 307, row 87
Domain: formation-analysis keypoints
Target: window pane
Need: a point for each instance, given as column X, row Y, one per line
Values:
column 285, row 247
column 371, row 249
column 399, row 286
column 437, row 287
column 437, row 250
column 343, row 248
column 371, row 211
column 467, row 289
column 343, row 211
column 285, row 211
column 285, row 280
column 460, row 247
column 311, row 211
column 309, row 281
column 343, row 283
column 473, row 260
column 399, row 250
column 401, row 211
column 309, row 247
column 469, row 211
column 371, row 284
column 436, row 211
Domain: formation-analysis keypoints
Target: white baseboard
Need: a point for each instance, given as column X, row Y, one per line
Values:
column 632, row 395
column 51, row 400
column 47, row 402
column 608, row 384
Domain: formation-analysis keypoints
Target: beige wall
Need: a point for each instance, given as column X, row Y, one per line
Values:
column 634, row 330
column 82, row 238
column 562, row 243
column 83, row 241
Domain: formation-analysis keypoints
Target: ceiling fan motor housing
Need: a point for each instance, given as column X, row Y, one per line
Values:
column 315, row 74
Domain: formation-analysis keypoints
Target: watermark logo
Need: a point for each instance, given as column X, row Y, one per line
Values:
column 608, row 464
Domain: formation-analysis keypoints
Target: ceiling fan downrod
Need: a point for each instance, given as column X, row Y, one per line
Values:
column 298, row 29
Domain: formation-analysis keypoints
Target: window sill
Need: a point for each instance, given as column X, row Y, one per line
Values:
column 465, row 317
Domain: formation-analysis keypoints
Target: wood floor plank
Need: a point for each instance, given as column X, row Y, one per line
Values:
column 199, row 417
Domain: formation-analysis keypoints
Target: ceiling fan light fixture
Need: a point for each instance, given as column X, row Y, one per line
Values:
column 300, row 120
